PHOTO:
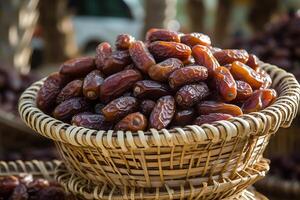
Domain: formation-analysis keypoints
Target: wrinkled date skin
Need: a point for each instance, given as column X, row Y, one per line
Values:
column 259, row 100
column 140, row 56
column 92, row 121
column 244, row 91
column 227, row 56
column 155, row 34
column 225, row 84
column 244, row 73
column 267, row 81
column 187, row 75
column 72, row 89
column 163, row 112
column 189, row 95
column 78, row 67
column 7, row 185
column 207, row 107
column 204, row 57
column 150, row 89
column 70, row 107
column 132, row 122
column 183, row 117
column 119, row 108
column 146, row 106
column 210, row 118
column 253, row 62
column 20, row 193
column 116, row 62
column 162, row 71
column 192, row 39
column 162, row 50
column 46, row 96
column 103, row 52
column 92, row 83
column 124, row 41
column 118, row 83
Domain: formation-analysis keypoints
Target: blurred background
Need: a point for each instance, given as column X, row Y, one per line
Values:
column 37, row 35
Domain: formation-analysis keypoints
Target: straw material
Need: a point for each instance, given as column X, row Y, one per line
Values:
column 224, row 188
column 193, row 154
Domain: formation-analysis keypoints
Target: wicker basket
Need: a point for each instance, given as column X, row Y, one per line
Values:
column 225, row 188
column 193, row 154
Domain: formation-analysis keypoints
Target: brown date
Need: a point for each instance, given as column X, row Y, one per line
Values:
column 19, row 193
column 192, row 39
column 46, row 96
column 259, row 100
column 253, row 62
column 244, row 91
column 72, row 89
column 184, row 117
column 244, row 73
column 124, row 41
column 204, row 57
column 132, row 122
column 163, row 112
column 91, row 121
column 146, row 106
column 267, row 81
column 189, row 95
column 207, row 107
column 119, row 108
column 98, row 108
column 7, row 185
column 162, row 50
column 103, row 52
column 116, row 62
column 70, row 107
column 162, row 70
column 118, row 83
column 156, row 34
column 52, row 193
column 210, row 118
column 187, row 75
column 225, row 83
column 227, row 56
column 150, row 89
column 92, row 83
column 78, row 67
column 140, row 56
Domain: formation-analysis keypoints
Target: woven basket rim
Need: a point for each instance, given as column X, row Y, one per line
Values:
column 279, row 114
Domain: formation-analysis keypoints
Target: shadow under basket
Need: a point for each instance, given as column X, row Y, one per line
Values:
column 188, row 155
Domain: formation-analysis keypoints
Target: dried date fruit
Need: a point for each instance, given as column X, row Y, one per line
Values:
column 70, row 107
column 132, row 122
column 244, row 73
column 52, row 193
column 140, row 56
column 162, row 70
column 146, row 106
column 150, row 89
column 227, row 56
column 192, row 39
column 36, row 185
column 184, row 117
column 210, row 118
column 156, row 34
column 162, row 50
column 72, row 89
column 20, row 193
column 98, row 108
column 7, row 185
column 163, row 112
column 116, row 62
column 244, row 91
column 92, row 83
column 78, row 67
column 189, row 95
column 267, row 81
column 187, row 75
column 119, row 108
column 207, row 107
column 204, row 57
column 46, row 96
column 124, row 41
column 253, row 62
column 116, row 84
column 225, row 84
column 103, row 52
column 91, row 121
column 259, row 100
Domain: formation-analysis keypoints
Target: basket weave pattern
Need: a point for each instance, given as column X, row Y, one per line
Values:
column 192, row 154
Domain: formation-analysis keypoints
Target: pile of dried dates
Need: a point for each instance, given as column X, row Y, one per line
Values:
column 25, row 187
column 170, row 80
